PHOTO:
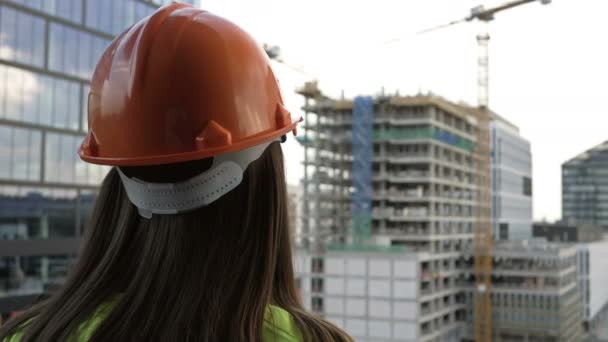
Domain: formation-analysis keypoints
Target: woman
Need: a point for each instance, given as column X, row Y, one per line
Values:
column 189, row 239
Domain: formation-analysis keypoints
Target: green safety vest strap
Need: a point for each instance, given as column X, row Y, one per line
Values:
column 278, row 326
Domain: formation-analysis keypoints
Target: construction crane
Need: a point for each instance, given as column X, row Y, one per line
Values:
column 483, row 237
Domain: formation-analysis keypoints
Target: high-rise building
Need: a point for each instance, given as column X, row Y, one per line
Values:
column 48, row 50
column 392, row 171
column 585, row 187
column 535, row 293
column 511, row 181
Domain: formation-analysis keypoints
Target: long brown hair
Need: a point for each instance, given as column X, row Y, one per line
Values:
column 206, row 275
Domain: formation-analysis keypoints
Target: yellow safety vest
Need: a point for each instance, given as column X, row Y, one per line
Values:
column 278, row 326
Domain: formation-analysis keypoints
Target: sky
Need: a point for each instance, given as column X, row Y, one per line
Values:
column 548, row 65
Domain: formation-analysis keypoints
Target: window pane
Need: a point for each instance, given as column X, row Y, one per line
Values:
column 20, row 154
column 38, row 272
column 94, row 173
column 60, row 111
column 67, row 9
column 105, row 16
column 25, row 39
column 31, row 96
column 13, row 93
column 118, row 9
column 8, row 39
column 85, row 50
column 92, row 17
column 67, row 159
column 71, row 51
column 81, row 172
column 73, row 96
column 34, row 156
column 5, row 151
column 84, row 110
column 74, row 52
column 20, row 33
column 51, row 162
column 3, row 89
column 76, row 14
column 100, row 46
column 46, row 101
column 56, row 40
column 50, row 6
column 129, row 18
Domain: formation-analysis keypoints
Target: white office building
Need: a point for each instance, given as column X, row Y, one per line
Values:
column 511, row 182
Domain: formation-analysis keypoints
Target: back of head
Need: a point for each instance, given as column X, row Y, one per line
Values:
column 189, row 239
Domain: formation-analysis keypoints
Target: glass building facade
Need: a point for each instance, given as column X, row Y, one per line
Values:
column 48, row 51
column 511, row 182
column 585, row 187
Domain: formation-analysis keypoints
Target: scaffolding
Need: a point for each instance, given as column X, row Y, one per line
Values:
column 393, row 173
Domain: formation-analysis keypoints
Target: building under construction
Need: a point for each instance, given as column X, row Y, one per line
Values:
column 393, row 171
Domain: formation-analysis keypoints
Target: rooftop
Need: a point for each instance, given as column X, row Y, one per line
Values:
column 601, row 149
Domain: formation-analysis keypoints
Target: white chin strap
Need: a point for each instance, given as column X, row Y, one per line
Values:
column 225, row 174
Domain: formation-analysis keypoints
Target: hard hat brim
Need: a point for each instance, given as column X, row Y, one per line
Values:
column 188, row 156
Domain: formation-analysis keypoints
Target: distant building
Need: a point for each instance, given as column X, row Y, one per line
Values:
column 585, row 187
column 384, row 293
column 400, row 171
column 564, row 232
column 592, row 265
column 511, row 182
column 534, row 292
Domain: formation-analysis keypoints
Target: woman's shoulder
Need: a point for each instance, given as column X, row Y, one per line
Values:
column 278, row 326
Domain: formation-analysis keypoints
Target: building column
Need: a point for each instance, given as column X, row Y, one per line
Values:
column 44, row 260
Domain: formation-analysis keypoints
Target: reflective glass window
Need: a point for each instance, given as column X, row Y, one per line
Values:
column 22, row 38
column 73, row 98
column 84, row 110
column 71, row 51
column 5, row 151
column 31, row 97
column 56, row 41
column 31, row 94
column 74, row 52
column 118, row 16
column 67, row 9
column 36, row 273
column 13, row 92
column 46, row 100
column 82, row 176
column 92, row 15
column 67, row 164
column 60, row 111
column 85, row 55
column 105, row 16
column 34, row 155
column 20, row 160
column 19, row 153
column 8, row 27
column 52, row 157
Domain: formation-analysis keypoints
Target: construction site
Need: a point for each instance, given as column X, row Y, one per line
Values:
column 398, row 176
column 391, row 212
column 398, row 223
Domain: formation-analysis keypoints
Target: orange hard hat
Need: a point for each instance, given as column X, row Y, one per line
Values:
column 181, row 84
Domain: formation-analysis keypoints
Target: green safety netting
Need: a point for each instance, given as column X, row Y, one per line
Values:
column 410, row 133
column 358, row 247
